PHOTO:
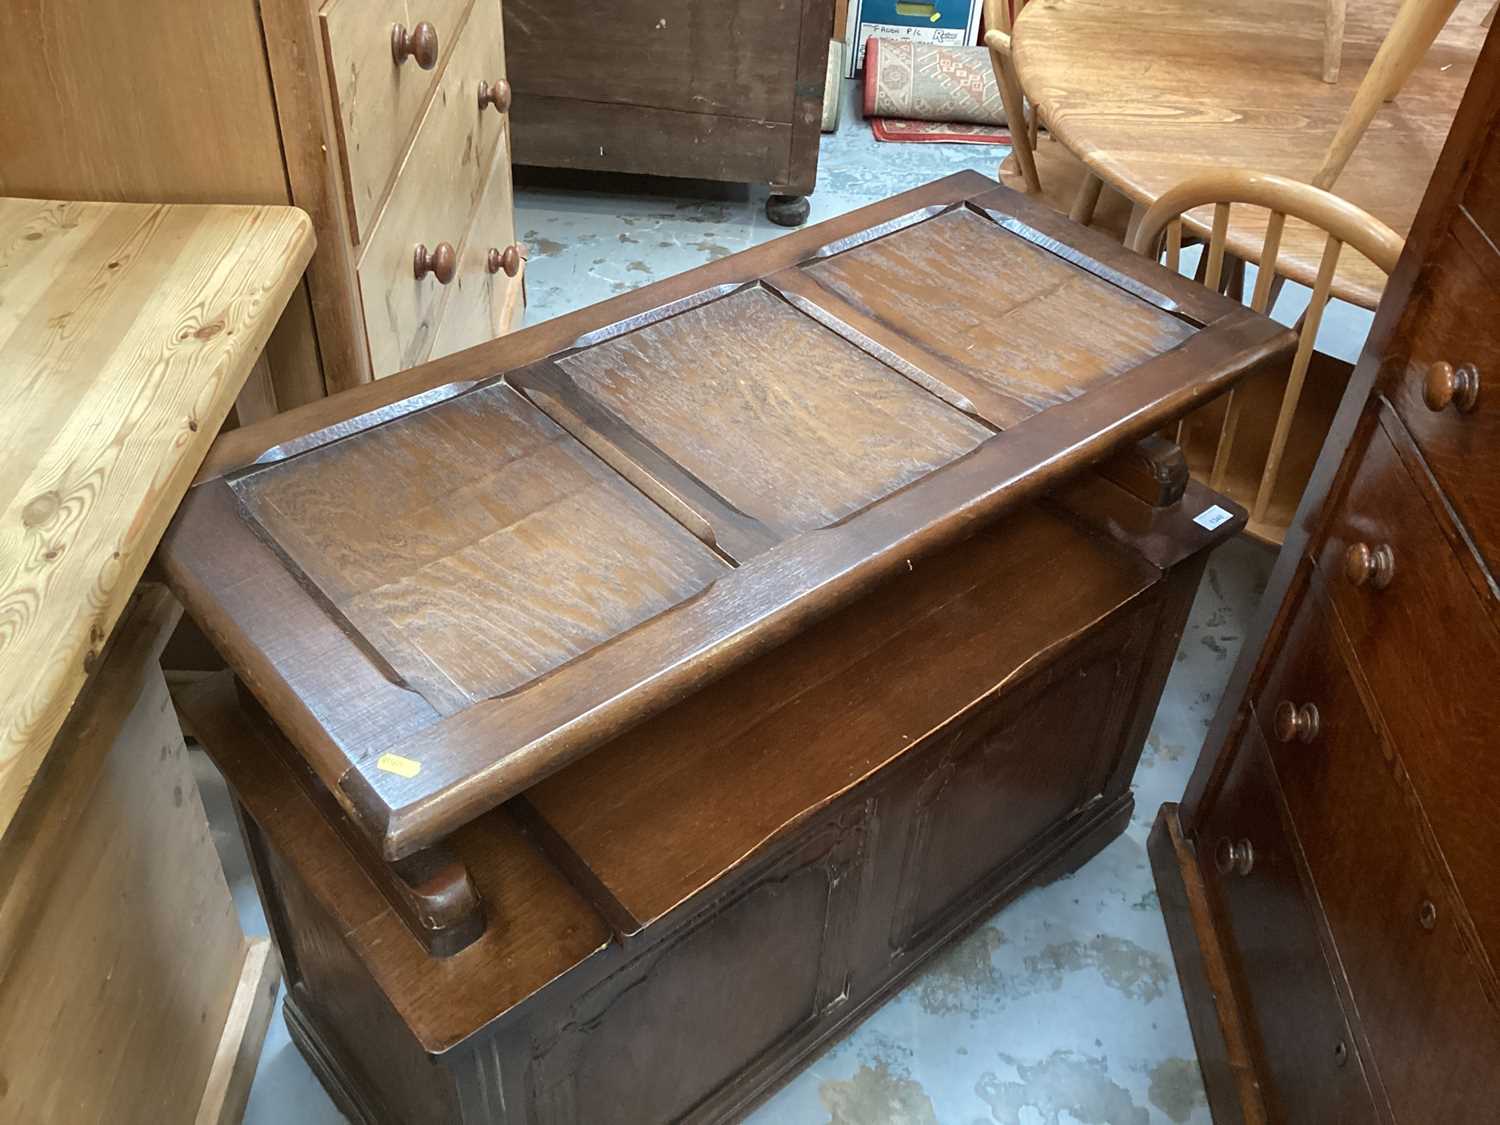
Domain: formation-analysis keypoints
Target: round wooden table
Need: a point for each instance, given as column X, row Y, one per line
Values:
column 1147, row 92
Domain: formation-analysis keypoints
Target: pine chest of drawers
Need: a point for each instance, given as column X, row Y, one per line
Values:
column 674, row 658
column 387, row 123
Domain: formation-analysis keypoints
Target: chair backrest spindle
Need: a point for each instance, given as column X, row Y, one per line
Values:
column 1341, row 222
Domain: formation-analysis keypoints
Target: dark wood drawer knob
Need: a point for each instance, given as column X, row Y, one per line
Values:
column 1374, row 567
column 495, row 93
column 419, row 43
column 441, row 262
column 508, row 260
column 1297, row 724
column 1446, row 385
column 1234, row 856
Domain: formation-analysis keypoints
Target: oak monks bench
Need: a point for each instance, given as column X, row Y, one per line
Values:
column 620, row 709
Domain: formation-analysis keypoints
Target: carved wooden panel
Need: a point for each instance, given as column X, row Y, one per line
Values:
column 1010, row 769
column 785, row 930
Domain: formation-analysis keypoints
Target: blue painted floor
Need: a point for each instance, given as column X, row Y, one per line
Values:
column 1064, row 1007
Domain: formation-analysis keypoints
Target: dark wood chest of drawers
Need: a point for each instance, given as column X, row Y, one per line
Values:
column 1332, row 878
column 702, row 89
column 626, row 707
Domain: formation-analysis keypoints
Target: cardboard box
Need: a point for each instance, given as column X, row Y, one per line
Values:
column 954, row 23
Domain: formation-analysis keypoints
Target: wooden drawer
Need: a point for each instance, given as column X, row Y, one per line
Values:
column 1462, row 446
column 1313, row 1071
column 378, row 101
column 1410, row 638
column 481, row 304
column 1392, row 914
column 436, row 192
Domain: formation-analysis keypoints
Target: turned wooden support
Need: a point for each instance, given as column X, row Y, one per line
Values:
column 430, row 890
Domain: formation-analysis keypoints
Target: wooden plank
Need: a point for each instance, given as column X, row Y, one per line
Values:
column 90, row 113
column 703, row 57
column 505, row 521
column 917, row 281
column 568, row 132
column 126, row 333
column 233, row 1070
column 820, row 431
column 126, row 968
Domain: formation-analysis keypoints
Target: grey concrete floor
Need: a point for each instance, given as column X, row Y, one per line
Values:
column 1063, row 1008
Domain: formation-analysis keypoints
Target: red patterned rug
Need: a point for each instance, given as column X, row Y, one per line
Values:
column 921, row 92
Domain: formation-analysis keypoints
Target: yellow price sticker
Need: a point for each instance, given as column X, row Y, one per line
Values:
column 396, row 764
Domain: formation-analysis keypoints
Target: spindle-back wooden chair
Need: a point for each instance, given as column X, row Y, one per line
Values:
column 1261, row 484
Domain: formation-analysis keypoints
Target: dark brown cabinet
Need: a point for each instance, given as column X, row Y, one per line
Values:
column 1331, row 879
column 701, row 89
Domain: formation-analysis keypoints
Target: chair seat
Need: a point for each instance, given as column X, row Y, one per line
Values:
column 1062, row 174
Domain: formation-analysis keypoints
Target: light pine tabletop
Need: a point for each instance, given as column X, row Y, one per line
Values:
column 1150, row 92
column 126, row 333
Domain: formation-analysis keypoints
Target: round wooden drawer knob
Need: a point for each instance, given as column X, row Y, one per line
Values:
column 1297, row 724
column 441, row 261
column 495, row 93
column 1446, row 385
column 1234, row 855
column 508, row 260
column 1374, row 567
column 419, row 43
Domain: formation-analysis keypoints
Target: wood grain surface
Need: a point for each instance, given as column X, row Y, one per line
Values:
column 821, row 460
column 964, row 622
column 476, row 545
column 377, row 100
column 1149, row 93
column 788, row 422
column 920, row 282
column 126, row 331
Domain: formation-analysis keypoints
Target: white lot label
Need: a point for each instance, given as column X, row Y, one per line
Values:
column 1212, row 517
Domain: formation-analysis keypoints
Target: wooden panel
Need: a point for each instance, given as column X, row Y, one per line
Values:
column 440, row 183
column 750, row 393
column 665, row 810
column 475, row 544
column 480, row 305
column 1414, row 984
column 990, row 795
column 560, row 132
column 1458, row 327
column 104, row 101
column 1270, row 938
column 102, row 1019
column 544, row 927
column 1420, row 640
column 377, row 100
column 789, row 423
column 922, row 280
column 126, row 333
column 699, row 56
column 786, row 930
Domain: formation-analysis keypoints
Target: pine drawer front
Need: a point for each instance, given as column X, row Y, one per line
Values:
column 378, row 100
column 1313, row 1069
column 437, row 189
column 485, row 299
column 1394, row 917
column 1412, row 616
column 1449, row 396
